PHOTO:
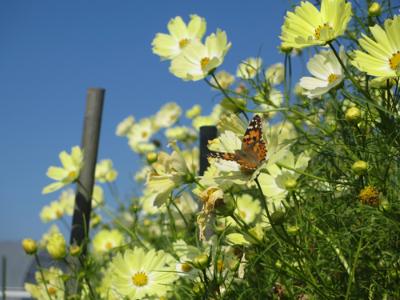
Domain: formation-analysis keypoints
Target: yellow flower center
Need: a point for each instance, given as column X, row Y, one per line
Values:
column 109, row 245
column 394, row 62
column 321, row 28
column 186, row 267
column 332, row 78
column 51, row 290
column 183, row 43
column 72, row 175
column 204, row 63
column 144, row 134
column 242, row 214
column 140, row 279
column 59, row 213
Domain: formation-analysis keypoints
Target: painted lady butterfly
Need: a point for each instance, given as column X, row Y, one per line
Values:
column 253, row 151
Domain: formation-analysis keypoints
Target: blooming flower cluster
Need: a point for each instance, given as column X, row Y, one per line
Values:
column 297, row 197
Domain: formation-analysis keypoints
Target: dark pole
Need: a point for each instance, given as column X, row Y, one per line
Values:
column 207, row 133
column 90, row 145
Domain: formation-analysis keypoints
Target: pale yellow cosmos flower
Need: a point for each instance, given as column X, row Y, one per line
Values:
column 307, row 26
column 197, row 59
column 68, row 173
column 169, row 46
column 382, row 53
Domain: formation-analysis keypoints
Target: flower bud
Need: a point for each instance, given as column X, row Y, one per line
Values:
column 29, row 246
column 75, row 250
column 360, row 167
column 201, row 261
column 56, row 246
column 293, row 229
column 374, row 9
column 353, row 115
column 151, row 157
column 277, row 217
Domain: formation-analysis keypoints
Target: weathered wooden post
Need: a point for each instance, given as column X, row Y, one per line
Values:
column 207, row 133
column 90, row 144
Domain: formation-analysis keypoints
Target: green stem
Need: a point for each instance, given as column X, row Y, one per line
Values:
column 42, row 275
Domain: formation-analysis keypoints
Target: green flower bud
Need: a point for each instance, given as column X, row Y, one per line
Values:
column 360, row 167
column 201, row 261
column 277, row 217
column 151, row 157
column 374, row 9
column 290, row 184
column 353, row 115
column 75, row 250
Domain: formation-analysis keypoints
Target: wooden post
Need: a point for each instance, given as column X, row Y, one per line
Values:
column 90, row 144
column 207, row 133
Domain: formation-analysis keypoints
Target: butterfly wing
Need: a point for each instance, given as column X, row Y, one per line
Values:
column 223, row 155
column 253, row 143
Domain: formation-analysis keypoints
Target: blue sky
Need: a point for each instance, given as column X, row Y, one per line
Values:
column 52, row 51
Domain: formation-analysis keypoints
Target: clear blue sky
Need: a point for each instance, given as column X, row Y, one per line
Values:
column 52, row 51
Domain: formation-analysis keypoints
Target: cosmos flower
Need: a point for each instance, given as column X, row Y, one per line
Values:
column 51, row 288
column 308, row 27
column 169, row 46
column 382, row 54
column 68, row 173
column 327, row 72
column 106, row 240
column 105, row 172
column 140, row 274
column 198, row 60
column 168, row 115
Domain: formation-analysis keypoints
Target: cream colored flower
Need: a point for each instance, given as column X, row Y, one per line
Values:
column 249, row 68
column 197, row 59
column 382, row 56
column 168, row 115
column 52, row 212
column 247, row 209
column 140, row 136
column 181, row 133
column 68, row 173
column 169, row 46
column 105, row 172
column 56, row 246
column 327, row 72
column 125, row 126
column 169, row 172
column 308, row 27
column 140, row 274
column 106, row 240
column 275, row 74
column 193, row 112
column 278, row 181
column 52, row 288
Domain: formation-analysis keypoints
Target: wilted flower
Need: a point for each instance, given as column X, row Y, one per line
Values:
column 308, row 27
column 383, row 52
column 224, row 79
column 249, row 68
column 198, row 60
column 68, row 173
column 275, row 74
column 169, row 46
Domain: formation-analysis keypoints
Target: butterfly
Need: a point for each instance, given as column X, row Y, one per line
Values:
column 253, row 151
